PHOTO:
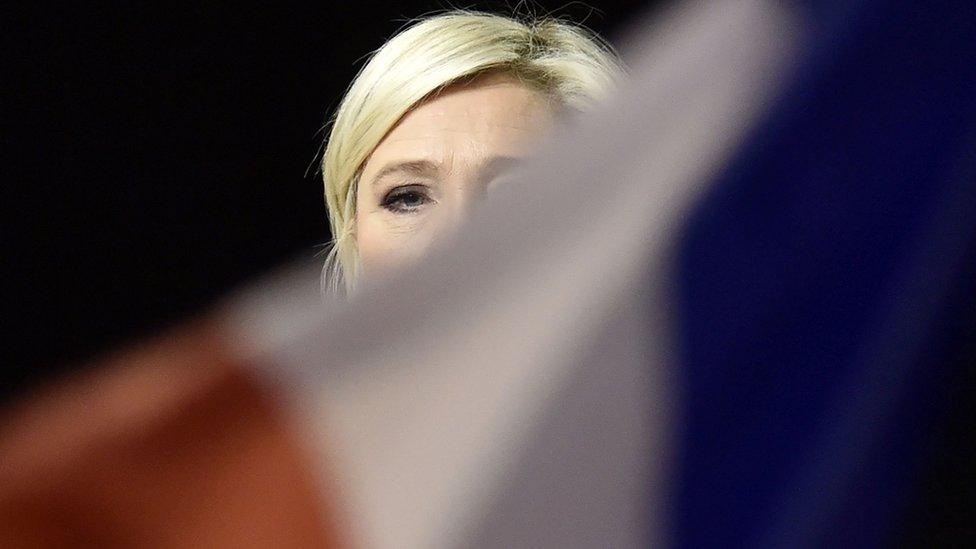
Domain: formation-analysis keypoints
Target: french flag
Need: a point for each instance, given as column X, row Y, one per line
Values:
column 733, row 307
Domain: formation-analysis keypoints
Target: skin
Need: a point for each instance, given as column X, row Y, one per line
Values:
column 438, row 162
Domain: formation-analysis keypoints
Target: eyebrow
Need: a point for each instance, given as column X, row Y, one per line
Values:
column 420, row 168
column 489, row 169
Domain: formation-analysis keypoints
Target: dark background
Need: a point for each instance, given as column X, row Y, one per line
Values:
column 157, row 157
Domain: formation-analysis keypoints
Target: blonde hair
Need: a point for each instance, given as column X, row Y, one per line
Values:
column 570, row 64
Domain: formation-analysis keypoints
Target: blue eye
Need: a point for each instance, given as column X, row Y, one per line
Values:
column 405, row 199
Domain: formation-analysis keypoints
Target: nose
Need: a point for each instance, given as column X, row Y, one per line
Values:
column 468, row 195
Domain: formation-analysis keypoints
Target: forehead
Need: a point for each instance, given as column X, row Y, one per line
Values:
column 494, row 114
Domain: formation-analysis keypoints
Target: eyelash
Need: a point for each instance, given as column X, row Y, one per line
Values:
column 399, row 194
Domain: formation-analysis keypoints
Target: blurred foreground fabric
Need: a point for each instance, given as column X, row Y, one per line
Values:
column 167, row 443
column 734, row 307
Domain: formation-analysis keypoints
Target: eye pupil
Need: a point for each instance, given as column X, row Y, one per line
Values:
column 405, row 200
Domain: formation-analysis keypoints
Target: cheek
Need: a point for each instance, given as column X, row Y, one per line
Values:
column 387, row 243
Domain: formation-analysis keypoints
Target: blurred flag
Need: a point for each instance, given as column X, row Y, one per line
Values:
column 727, row 309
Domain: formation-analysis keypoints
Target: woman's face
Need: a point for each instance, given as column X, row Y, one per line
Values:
column 438, row 161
